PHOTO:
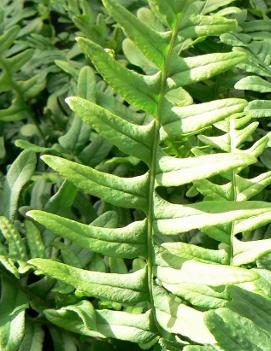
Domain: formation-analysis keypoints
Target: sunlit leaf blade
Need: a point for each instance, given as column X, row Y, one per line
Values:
column 252, row 223
column 150, row 42
column 200, row 348
column 190, row 119
column 213, row 5
column 247, row 252
column 171, row 239
column 252, row 306
column 190, row 251
column 126, row 242
column 248, row 188
column 200, row 25
column 168, row 11
column 259, row 108
column 212, row 191
column 9, row 265
column 202, row 296
column 254, row 83
column 137, row 58
column 126, row 192
column 195, row 69
column 173, row 219
column 234, row 332
column 192, row 272
column 172, row 171
column 135, row 88
column 82, row 318
column 175, row 317
column 130, row 138
column 34, row 240
column 123, row 288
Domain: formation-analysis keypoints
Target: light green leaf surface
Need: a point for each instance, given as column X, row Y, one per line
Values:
column 135, row 88
column 213, row 5
column 252, row 306
column 190, row 252
column 16, row 244
column 173, row 219
column 200, row 26
column 259, row 108
column 18, row 175
column 175, row 317
column 126, row 192
column 126, row 242
column 193, row 272
column 191, row 119
column 247, row 252
column 129, row 138
column 198, row 68
column 150, row 42
column 33, row 338
column 254, row 83
column 82, row 318
column 234, row 332
column 8, row 37
column 168, row 11
column 124, row 288
column 12, row 316
column 172, row 171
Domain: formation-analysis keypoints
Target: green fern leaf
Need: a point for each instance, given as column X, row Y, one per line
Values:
column 163, row 276
column 136, row 89
column 151, row 43
column 13, row 306
column 129, row 138
column 17, row 176
column 127, row 192
column 126, row 242
column 129, row 288
column 224, row 323
column 191, row 119
column 84, row 319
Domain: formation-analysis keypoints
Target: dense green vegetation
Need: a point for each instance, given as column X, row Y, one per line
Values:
column 135, row 203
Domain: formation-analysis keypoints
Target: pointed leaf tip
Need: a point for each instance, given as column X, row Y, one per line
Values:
column 69, row 101
column 30, row 214
column 48, row 159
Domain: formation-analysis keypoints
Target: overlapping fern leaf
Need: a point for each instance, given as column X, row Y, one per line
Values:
column 12, row 59
column 253, row 38
column 235, row 239
column 21, row 240
column 179, row 290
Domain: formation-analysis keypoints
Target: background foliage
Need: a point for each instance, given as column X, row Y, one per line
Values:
column 135, row 214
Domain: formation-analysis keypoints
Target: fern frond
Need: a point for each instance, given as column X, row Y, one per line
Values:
column 161, row 277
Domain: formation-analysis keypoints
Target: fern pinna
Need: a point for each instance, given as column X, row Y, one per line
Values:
column 180, row 289
column 12, row 77
column 254, row 40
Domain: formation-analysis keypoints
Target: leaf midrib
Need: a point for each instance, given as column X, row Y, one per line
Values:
column 153, row 169
column 233, row 148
